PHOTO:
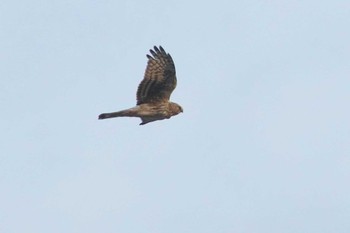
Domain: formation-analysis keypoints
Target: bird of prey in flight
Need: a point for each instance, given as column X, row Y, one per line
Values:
column 153, row 93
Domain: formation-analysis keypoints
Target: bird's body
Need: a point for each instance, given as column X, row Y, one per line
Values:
column 147, row 112
column 154, row 91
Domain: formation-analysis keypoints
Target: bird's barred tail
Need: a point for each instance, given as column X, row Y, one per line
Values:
column 113, row 114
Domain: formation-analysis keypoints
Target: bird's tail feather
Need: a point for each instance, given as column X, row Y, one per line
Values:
column 116, row 114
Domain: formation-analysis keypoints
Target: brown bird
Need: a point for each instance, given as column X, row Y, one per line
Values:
column 154, row 91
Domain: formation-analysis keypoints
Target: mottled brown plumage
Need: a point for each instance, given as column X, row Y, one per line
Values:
column 153, row 93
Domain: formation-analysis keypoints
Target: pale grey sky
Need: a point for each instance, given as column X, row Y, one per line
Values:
column 263, row 144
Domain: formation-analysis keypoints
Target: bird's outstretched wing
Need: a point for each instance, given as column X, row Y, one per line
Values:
column 159, row 80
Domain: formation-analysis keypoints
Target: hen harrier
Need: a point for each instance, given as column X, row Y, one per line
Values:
column 154, row 91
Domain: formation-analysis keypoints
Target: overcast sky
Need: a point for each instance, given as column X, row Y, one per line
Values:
column 263, row 144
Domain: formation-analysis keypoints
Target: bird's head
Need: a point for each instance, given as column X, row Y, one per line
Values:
column 175, row 108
